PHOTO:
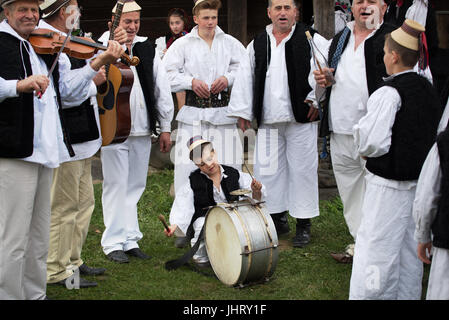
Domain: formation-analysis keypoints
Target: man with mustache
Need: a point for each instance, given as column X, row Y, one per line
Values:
column 287, row 128
column 33, row 141
column 125, row 165
column 356, row 58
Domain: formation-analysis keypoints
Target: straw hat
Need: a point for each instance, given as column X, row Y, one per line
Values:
column 49, row 7
column 409, row 35
column 195, row 142
column 4, row 3
column 129, row 6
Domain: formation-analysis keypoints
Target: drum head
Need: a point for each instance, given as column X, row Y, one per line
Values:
column 223, row 246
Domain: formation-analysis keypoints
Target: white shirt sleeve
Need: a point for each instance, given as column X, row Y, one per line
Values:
column 183, row 208
column 160, row 46
column 8, row 89
column 245, row 181
column 444, row 118
column 162, row 93
column 74, row 85
column 237, row 61
column 428, row 193
column 373, row 133
column 241, row 101
column 173, row 62
column 418, row 11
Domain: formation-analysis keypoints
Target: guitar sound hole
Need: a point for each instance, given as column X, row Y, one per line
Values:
column 109, row 99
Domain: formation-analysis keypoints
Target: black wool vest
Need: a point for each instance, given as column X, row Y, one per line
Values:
column 414, row 130
column 297, row 55
column 440, row 226
column 146, row 53
column 16, row 114
column 80, row 121
column 374, row 62
column 203, row 192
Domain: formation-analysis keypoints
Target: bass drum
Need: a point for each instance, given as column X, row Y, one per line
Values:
column 241, row 242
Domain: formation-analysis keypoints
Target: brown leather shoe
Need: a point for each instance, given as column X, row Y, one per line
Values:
column 342, row 257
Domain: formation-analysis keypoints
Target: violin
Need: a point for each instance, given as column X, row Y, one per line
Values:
column 45, row 41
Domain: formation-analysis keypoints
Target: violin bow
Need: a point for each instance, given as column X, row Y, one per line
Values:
column 39, row 94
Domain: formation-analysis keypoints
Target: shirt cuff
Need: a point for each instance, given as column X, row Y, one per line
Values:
column 422, row 236
column 90, row 73
column 92, row 89
column 165, row 126
column 10, row 88
column 188, row 83
column 230, row 79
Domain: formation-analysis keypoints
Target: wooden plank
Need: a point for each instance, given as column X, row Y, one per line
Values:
column 324, row 13
column 237, row 19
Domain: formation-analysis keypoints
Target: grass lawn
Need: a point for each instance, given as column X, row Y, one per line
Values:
column 301, row 274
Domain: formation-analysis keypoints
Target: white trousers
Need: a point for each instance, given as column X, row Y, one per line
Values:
column 286, row 162
column 201, row 254
column 349, row 171
column 225, row 139
column 125, row 171
column 24, row 229
column 438, row 287
column 386, row 265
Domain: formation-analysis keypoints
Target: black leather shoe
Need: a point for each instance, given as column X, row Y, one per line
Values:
column 83, row 283
column 88, row 271
column 118, row 256
column 280, row 221
column 136, row 252
column 302, row 237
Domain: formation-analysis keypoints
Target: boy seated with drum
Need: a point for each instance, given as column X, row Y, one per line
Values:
column 210, row 184
column 395, row 137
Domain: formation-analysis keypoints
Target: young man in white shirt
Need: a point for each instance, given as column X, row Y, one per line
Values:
column 125, row 165
column 394, row 137
column 206, row 63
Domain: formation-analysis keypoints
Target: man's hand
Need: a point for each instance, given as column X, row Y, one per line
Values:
column 244, row 124
column 120, row 34
column 100, row 78
column 313, row 112
column 200, row 88
column 111, row 55
column 172, row 230
column 256, row 187
column 424, row 252
column 219, row 85
column 164, row 142
column 320, row 77
column 38, row 83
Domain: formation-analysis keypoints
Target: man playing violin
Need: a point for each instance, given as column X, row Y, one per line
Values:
column 72, row 193
column 33, row 141
column 125, row 165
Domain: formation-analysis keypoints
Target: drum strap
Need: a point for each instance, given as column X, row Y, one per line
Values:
column 175, row 264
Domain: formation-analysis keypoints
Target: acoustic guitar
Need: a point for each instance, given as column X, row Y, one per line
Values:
column 113, row 96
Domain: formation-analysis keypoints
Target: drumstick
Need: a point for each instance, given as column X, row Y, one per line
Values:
column 162, row 218
column 248, row 170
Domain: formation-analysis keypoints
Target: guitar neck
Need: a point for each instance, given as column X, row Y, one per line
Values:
column 117, row 17
column 115, row 24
